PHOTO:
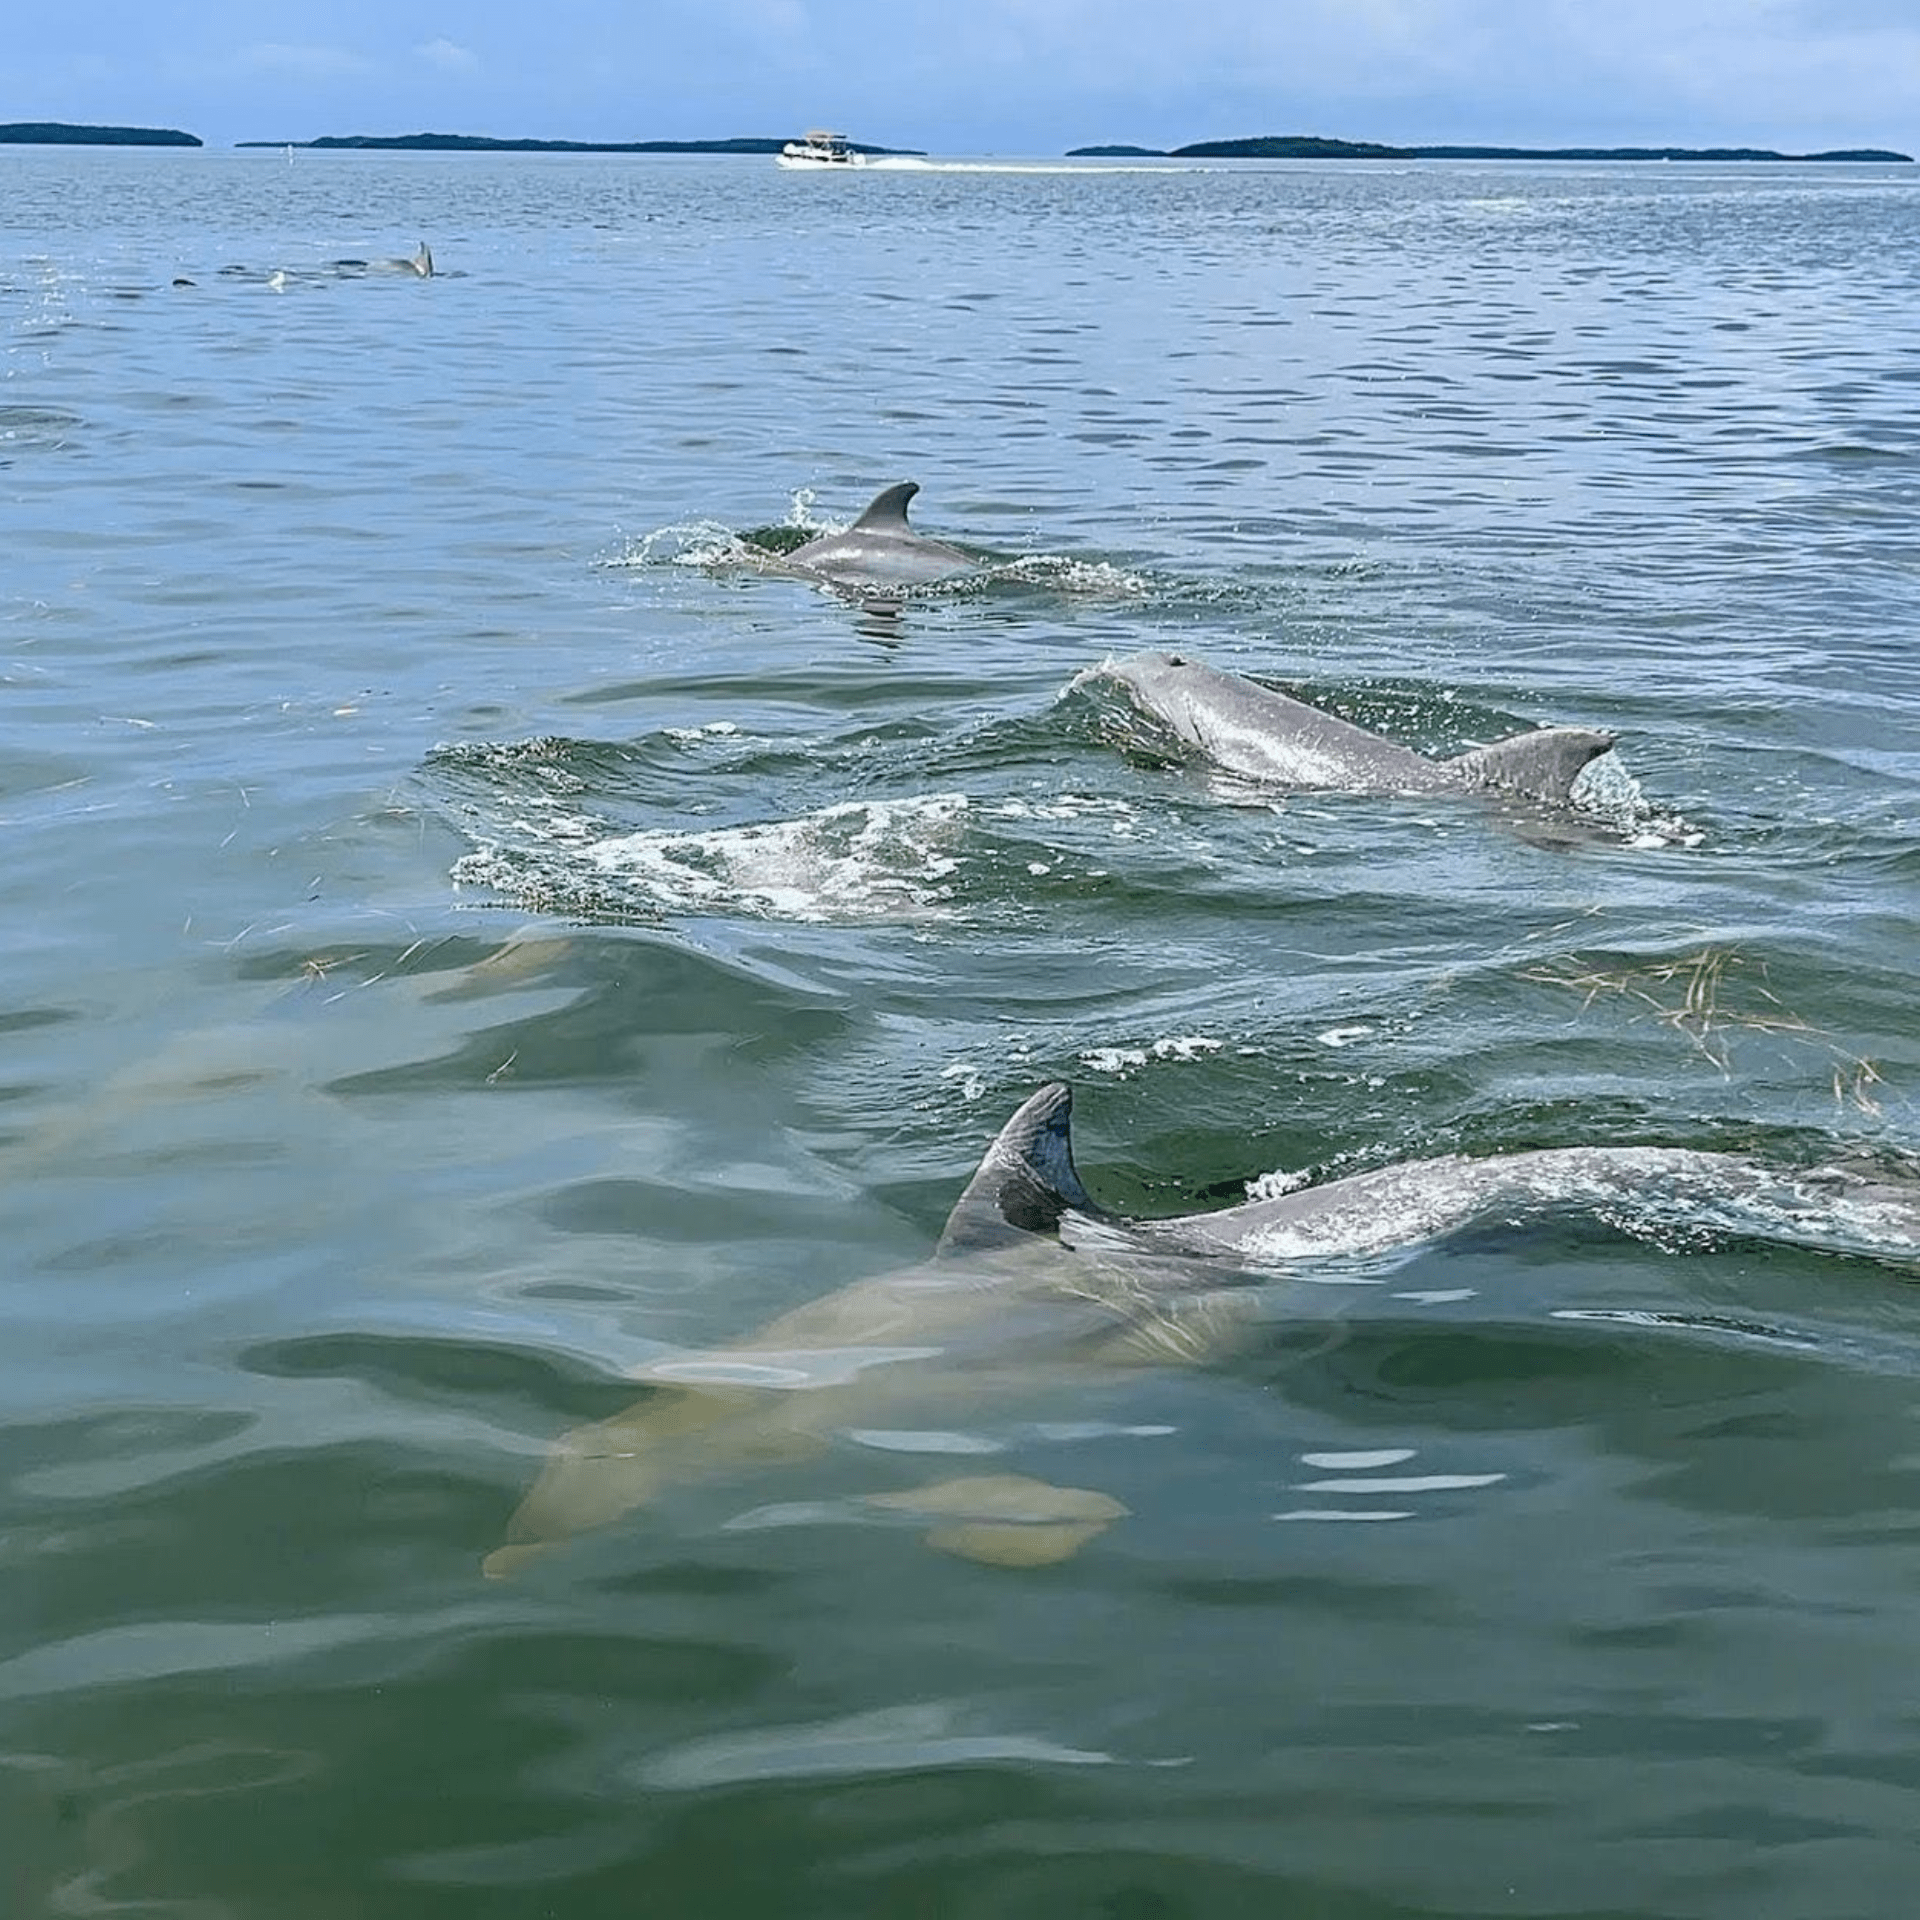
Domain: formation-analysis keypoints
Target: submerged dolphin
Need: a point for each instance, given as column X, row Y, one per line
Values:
column 881, row 550
column 1032, row 1275
column 1251, row 730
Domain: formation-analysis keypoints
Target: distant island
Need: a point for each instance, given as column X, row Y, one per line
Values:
column 483, row 143
column 1273, row 146
column 56, row 133
column 1306, row 146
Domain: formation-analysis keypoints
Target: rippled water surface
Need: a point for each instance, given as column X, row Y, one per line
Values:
column 471, row 937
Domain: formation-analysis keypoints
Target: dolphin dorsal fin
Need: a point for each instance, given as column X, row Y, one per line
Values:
column 1027, row 1180
column 1543, row 764
column 887, row 510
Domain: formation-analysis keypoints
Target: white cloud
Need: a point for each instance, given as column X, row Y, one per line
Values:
column 447, row 57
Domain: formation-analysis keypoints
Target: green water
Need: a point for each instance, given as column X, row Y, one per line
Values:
column 460, row 948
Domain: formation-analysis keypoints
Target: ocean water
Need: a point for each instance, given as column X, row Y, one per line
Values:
column 468, row 936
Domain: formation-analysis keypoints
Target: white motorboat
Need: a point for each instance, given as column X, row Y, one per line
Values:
column 820, row 149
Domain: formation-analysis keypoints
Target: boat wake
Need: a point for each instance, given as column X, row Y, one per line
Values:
column 906, row 164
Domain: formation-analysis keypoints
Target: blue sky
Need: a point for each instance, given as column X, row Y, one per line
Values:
column 984, row 76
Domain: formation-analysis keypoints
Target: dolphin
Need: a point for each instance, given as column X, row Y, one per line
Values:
column 420, row 264
column 880, row 549
column 1033, row 1283
column 1251, row 730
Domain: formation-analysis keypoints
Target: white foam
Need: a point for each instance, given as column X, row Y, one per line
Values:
column 1658, row 1193
column 1191, row 1046
column 1113, row 1059
column 914, row 163
column 856, row 861
column 692, row 543
column 1605, row 788
column 708, row 543
column 1082, row 579
column 1270, row 1186
column 1070, row 806
column 972, row 1082
column 1344, row 1036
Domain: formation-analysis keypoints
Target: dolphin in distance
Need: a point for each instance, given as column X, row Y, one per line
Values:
column 1034, row 1287
column 1269, row 737
column 881, row 550
column 419, row 263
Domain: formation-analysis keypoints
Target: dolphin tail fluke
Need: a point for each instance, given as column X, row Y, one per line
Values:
column 504, row 1562
column 601, row 1471
column 1543, row 764
column 1027, row 1180
column 1006, row 1519
column 887, row 510
column 422, row 262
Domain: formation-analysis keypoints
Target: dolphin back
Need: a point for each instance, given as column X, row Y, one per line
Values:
column 1542, row 765
column 1027, row 1180
column 881, row 549
column 887, row 510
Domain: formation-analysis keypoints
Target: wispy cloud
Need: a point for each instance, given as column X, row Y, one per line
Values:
column 448, row 57
column 302, row 62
